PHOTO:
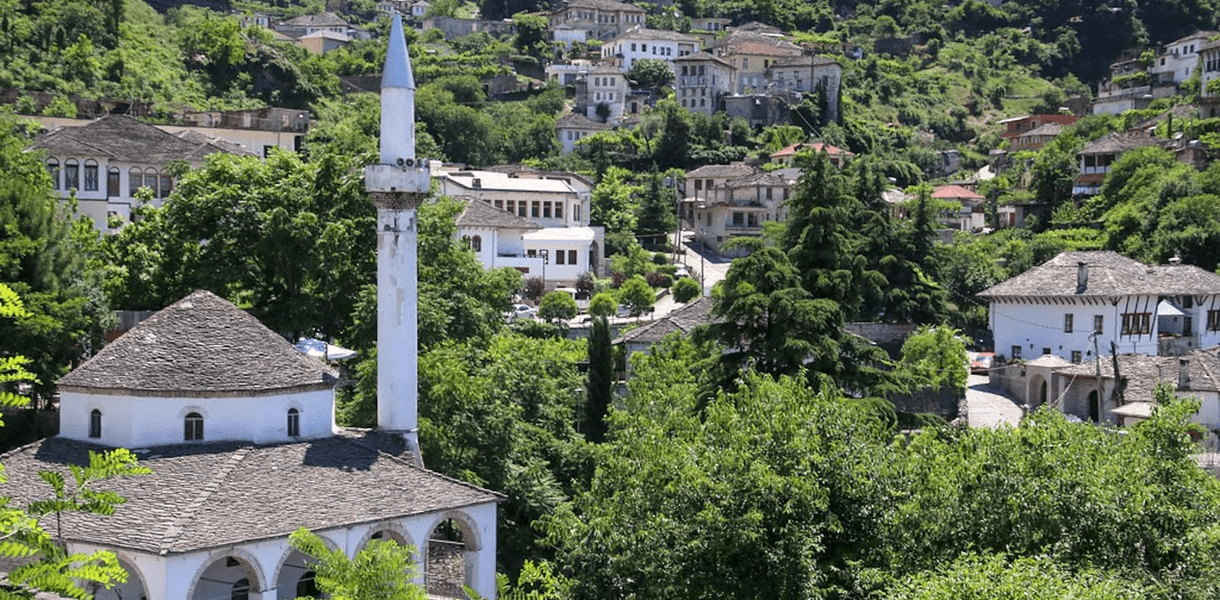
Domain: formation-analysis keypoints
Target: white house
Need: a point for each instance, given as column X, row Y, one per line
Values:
column 1209, row 62
column 702, row 81
column 572, row 128
column 538, row 224
column 639, row 42
column 105, row 162
column 1079, row 303
column 1178, row 60
column 602, row 89
column 599, row 19
column 1191, row 375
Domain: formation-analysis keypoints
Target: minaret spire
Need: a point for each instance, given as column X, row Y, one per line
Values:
column 397, row 186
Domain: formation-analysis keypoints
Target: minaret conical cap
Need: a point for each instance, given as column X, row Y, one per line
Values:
column 397, row 72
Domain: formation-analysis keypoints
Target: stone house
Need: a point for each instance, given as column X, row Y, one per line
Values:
column 600, row 19
column 639, row 42
column 702, row 82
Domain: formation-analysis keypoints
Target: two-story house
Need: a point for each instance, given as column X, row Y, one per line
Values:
column 703, row 81
column 538, row 224
column 1209, row 63
column 1097, row 157
column 1077, row 298
column 1030, row 132
column 751, row 55
column 639, row 42
column 735, row 205
column 573, row 127
column 806, row 74
column 601, row 93
column 105, row 163
column 1178, row 60
column 599, row 19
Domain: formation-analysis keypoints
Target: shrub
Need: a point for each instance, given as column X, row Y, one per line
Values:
column 557, row 305
column 658, row 279
column 586, row 285
column 659, row 258
column 532, row 288
column 686, row 289
column 637, row 295
column 603, row 305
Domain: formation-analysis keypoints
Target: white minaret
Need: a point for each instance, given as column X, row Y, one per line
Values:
column 397, row 186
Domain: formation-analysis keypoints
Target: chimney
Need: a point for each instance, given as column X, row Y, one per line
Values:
column 1183, row 373
column 1082, row 277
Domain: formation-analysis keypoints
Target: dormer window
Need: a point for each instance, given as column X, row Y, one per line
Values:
column 193, row 427
column 294, row 422
column 95, row 424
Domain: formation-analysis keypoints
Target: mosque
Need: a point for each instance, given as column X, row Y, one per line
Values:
column 238, row 428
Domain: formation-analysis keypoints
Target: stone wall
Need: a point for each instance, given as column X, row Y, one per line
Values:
column 944, row 403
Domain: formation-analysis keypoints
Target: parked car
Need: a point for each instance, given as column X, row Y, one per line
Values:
column 682, row 271
column 981, row 363
column 520, row 311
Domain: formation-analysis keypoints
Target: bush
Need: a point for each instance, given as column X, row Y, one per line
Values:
column 637, row 295
column 532, row 288
column 658, row 279
column 668, row 269
column 659, row 258
column 586, row 285
column 603, row 305
column 686, row 289
column 557, row 305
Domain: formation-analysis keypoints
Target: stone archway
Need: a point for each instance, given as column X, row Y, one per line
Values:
column 295, row 576
column 450, row 555
column 132, row 590
column 1036, row 396
column 231, row 576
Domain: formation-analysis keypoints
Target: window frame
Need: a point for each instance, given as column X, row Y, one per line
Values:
column 71, row 174
column 1068, row 322
column 294, row 423
column 192, row 425
column 95, row 424
column 55, row 170
column 1137, row 323
column 1099, row 324
column 91, row 175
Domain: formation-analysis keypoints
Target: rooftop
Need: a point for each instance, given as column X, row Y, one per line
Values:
column 492, row 180
column 1108, row 274
column 480, row 214
column 218, row 494
column 682, row 320
column 199, row 345
column 123, row 139
column 579, row 121
column 722, row 171
column 1143, row 372
column 1114, row 143
column 955, row 192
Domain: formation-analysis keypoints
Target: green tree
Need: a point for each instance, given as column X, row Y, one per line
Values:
column 382, row 569
column 936, row 357
column 652, row 73
column 686, row 289
column 557, row 305
column 658, row 204
column 637, row 295
column 993, row 577
column 603, row 305
column 601, row 380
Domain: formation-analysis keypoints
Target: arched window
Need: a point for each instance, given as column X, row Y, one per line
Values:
column 294, row 422
column 241, row 590
column 150, row 180
column 91, row 175
column 476, row 244
column 71, row 174
column 95, row 424
column 167, row 185
column 53, row 169
column 135, row 180
column 193, row 427
column 112, row 182
column 307, row 587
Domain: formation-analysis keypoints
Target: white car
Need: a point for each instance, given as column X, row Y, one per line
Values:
column 681, row 272
column 520, row 311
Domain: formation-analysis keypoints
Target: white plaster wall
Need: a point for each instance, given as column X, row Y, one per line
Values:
column 135, row 421
column 397, row 320
column 1038, row 326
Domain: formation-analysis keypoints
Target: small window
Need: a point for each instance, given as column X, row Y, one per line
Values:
column 294, row 422
column 135, row 181
column 167, row 185
column 1076, row 356
column 476, row 244
column 95, row 424
column 1046, row 351
column 1213, row 320
column 1137, row 323
column 571, row 257
column 91, row 175
column 113, row 177
column 150, row 181
column 1099, row 322
column 559, row 257
column 71, row 175
column 53, row 170
column 1067, row 322
column 1016, row 353
column 193, row 427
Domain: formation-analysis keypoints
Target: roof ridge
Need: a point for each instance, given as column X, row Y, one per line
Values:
column 178, row 527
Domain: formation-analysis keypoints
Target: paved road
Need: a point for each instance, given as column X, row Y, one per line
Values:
column 703, row 260
column 987, row 408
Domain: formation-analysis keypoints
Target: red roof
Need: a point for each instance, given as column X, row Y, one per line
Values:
column 955, row 192
column 816, row 146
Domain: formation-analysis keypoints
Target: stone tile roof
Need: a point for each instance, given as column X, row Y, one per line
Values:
column 1143, row 372
column 200, row 345
column 217, row 494
column 808, row 60
column 1109, row 274
column 603, row 5
column 792, row 149
column 1051, row 129
column 222, row 145
column 579, row 121
column 326, row 19
column 721, row 171
column 771, row 179
column 124, row 139
column 683, row 320
column 1115, row 143
column 701, row 56
column 665, row 35
column 480, row 214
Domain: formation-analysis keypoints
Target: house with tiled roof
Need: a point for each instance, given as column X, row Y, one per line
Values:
column 752, row 54
column 1209, row 65
column 967, row 213
column 727, row 201
column 640, row 42
column 1098, row 155
column 105, row 163
column 1194, row 374
column 807, row 74
column 599, row 19
column 573, row 127
column 682, row 322
column 788, row 153
column 537, row 225
column 1061, row 306
column 601, row 94
column 238, row 429
column 702, row 82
